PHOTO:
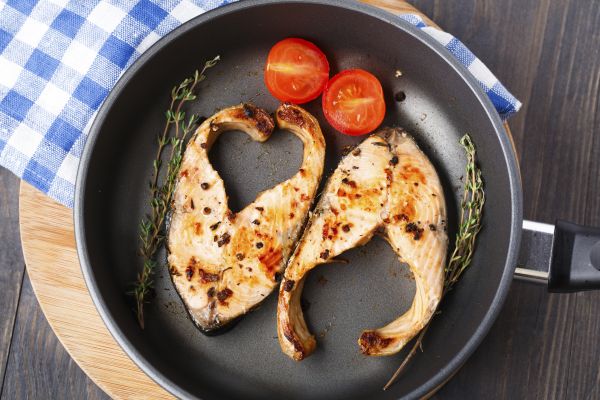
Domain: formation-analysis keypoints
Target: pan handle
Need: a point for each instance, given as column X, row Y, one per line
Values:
column 565, row 256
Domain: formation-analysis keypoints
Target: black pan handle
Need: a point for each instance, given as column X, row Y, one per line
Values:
column 565, row 256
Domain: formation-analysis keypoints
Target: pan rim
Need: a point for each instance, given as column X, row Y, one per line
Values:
column 445, row 373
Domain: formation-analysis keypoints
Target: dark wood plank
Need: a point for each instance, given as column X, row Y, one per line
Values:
column 11, row 262
column 38, row 365
column 543, row 345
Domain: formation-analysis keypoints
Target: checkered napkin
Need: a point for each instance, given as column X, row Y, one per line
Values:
column 60, row 58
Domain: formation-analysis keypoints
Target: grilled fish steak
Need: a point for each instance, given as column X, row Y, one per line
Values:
column 224, row 264
column 384, row 186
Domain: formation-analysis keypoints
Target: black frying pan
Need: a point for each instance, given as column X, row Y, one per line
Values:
column 443, row 102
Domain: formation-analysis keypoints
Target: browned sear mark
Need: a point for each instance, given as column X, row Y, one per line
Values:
column 356, row 152
column 239, row 256
column 325, row 231
column 432, row 227
column 206, row 210
column 292, row 115
column 370, row 341
column 394, row 160
column 325, row 255
column 211, row 292
column 189, row 272
column 215, row 226
column 346, row 228
column 206, row 277
column 261, row 119
column 249, row 111
column 223, row 295
column 411, row 173
column 381, row 144
column 197, row 228
column 271, row 260
column 259, row 245
column 256, row 222
column 350, row 183
column 400, row 217
column 415, row 230
column 291, row 337
column 261, row 209
column 230, row 216
column 388, row 174
column 347, row 149
column 204, row 186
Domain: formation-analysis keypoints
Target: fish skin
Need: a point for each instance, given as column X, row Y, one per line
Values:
column 224, row 264
column 385, row 186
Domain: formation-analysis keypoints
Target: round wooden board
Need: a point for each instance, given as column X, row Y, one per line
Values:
column 49, row 249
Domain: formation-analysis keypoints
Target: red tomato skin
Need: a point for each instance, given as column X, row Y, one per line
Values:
column 330, row 114
column 275, row 92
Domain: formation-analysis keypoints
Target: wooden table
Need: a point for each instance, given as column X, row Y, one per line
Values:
column 542, row 346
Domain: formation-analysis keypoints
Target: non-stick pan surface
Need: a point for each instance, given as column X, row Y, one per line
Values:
column 442, row 103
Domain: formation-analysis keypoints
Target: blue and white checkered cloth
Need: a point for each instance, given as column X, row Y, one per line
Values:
column 60, row 58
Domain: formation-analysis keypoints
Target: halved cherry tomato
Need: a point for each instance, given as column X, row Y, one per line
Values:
column 353, row 102
column 296, row 71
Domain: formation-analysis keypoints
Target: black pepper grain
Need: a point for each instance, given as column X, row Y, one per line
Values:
column 225, row 238
column 288, row 285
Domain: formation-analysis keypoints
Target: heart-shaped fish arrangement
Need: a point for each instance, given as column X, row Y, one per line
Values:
column 223, row 264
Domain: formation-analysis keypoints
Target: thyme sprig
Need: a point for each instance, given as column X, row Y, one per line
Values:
column 176, row 130
column 470, row 225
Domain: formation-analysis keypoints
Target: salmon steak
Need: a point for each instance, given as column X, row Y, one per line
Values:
column 384, row 186
column 223, row 264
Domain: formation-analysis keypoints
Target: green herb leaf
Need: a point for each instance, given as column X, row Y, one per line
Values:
column 161, row 193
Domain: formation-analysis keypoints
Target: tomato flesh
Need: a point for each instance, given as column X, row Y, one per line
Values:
column 296, row 71
column 353, row 102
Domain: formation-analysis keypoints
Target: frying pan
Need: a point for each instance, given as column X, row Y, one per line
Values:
column 443, row 102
